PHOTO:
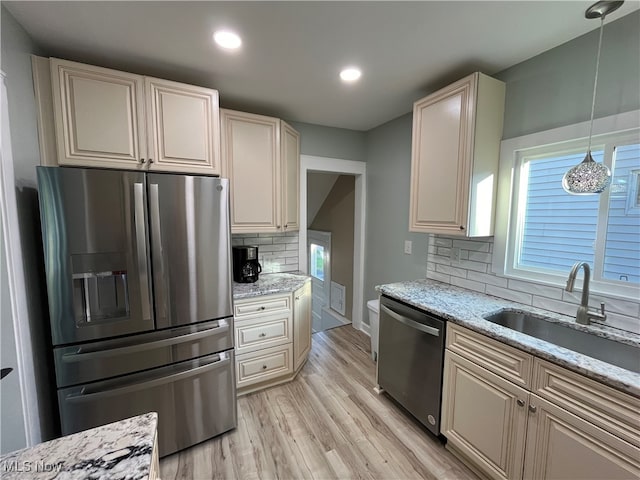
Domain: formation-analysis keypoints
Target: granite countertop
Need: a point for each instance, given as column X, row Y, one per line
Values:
column 466, row 308
column 270, row 284
column 120, row 450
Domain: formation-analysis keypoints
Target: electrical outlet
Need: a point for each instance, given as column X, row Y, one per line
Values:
column 455, row 254
column 408, row 245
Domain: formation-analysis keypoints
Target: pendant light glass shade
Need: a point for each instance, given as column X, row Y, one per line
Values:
column 589, row 176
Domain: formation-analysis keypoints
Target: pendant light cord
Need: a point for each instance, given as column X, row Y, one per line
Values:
column 595, row 81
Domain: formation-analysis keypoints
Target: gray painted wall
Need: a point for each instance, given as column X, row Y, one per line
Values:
column 555, row 88
column 331, row 142
column 17, row 47
column 388, row 172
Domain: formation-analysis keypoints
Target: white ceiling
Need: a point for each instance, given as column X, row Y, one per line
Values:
column 292, row 51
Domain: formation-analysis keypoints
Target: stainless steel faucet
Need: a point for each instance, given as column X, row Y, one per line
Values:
column 584, row 315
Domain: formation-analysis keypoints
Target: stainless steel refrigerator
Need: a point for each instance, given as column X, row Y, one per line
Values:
column 139, row 283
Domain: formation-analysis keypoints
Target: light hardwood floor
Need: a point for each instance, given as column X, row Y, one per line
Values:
column 327, row 423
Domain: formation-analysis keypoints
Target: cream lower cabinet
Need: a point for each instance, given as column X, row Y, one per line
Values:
column 301, row 325
column 571, row 427
column 272, row 338
column 261, row 158
column 112, row 119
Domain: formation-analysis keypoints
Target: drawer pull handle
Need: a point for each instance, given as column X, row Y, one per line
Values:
column 520, row 402
column 262, row 335
column 264, row 367
column 533, row 408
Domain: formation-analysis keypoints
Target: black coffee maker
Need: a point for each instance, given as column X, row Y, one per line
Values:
column 245, row 264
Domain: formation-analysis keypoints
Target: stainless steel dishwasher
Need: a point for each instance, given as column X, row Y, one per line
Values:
column 410, row 360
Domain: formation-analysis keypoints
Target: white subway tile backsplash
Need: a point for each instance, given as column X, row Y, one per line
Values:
column 440, row 277
column 470, row 284
column 521, row 297
column 488, row 279
column 448, row 270
column 473, row 271
column 535, row 289
column 277, row 252
column 475, row 246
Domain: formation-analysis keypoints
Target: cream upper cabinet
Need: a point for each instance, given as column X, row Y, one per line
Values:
column 107, row 118
column 484, row 417
column 454, row 158
column 301, row 325
column 99, row 116
column 183, row 123
column 571, row 427
column 261, row 159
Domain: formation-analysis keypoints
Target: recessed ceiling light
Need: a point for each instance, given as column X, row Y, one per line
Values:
column 227, row 39
column 350, row 74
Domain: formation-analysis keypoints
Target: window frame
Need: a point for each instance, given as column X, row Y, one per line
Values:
column 624, row 128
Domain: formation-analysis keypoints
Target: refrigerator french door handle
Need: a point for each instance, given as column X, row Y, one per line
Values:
column 81, row 355
column 141, row 248
column 158, row 255
column 410, row 323
column 222, row 360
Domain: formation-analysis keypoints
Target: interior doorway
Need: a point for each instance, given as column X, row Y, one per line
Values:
column 356, row 171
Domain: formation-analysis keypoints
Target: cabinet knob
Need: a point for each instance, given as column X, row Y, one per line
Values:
column 151, row 160
column 533, row 408
column 461, row 227
column 520, row 402
column 262, row 307
column 262, row 335
column 264, row 367
column 278, row 227
column 142, row 160
column 286, row 225
column 297, row 298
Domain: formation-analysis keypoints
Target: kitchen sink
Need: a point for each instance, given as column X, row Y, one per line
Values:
column 609, row 351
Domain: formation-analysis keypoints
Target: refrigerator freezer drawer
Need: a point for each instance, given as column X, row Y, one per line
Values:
column 195, row 400
column 112, row 358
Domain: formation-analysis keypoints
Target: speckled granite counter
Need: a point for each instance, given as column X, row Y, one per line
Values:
column 466, row 308
column 120, row 450
column 270, row 284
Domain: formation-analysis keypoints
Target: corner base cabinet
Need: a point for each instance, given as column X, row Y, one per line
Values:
column 454, row 158
column 555, row 424
column 273, row 338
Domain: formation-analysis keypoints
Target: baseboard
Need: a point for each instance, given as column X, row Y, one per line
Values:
column 365, row 328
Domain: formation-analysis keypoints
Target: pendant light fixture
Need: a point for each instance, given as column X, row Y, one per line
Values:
column 589, row 176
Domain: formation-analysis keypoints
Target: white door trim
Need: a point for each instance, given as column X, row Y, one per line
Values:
column 310, row 163
column 16, row 280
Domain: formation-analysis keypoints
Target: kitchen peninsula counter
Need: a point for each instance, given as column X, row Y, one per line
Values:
column 119, row 450
column 270, row 284
column 467, row 308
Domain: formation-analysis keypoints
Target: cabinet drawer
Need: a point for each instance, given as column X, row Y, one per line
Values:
column 263, row 365
column 609, row 409
column 263, row 332
column 262, row 305
column 508, row 362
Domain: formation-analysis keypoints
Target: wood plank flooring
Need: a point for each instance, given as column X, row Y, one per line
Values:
column 326, row 424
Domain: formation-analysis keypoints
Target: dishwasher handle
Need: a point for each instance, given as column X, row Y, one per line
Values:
column 411, row 323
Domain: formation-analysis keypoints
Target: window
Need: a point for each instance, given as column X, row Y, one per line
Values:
column 549, row 230
column 317, row 261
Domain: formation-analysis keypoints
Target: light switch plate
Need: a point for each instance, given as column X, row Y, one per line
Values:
column 408, row 245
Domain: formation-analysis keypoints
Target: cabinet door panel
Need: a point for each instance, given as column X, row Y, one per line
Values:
column 251, row 150
column 183, row 124
column 99, row 116
column 562, row 445
column 482, row 419
column 290, row 152
column 441, row 160
column 301, row 324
